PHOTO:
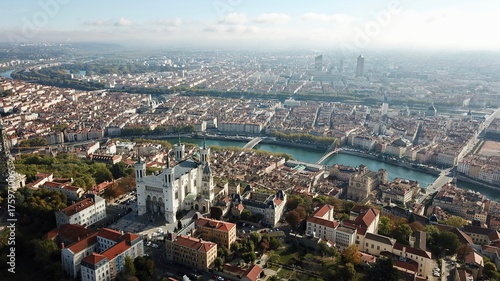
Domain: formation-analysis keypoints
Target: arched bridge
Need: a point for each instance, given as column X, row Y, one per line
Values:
column 251, row 144
column 327, row 154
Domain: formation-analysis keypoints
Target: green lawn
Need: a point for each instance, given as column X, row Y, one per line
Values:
column 285, row 273
column 286, row 255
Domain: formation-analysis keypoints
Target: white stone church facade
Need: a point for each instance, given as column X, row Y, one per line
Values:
column 185, row 186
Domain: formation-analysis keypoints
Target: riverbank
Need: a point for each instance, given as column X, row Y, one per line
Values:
column 477, row 182
column 267, row 140
column 424, row 169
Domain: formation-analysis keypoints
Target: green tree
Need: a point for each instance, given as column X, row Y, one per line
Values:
column 346, row 273
column 274, row 243
column 255, row 237
column 119, row 170
column 84, row 181
column 46, row 251
column 236, row 246
column 462, row 251
column 223, row 252
column 401, row 233
column 384, row 226
column 382, row 270
column 128, row 267
column 273, row 257
column 218, row 263
column 325, row 250
column 246, row 214
column 249, row 257
column 144, row 267
column 301, row 211
column 455, row 221
column 293, row 219
column 490, row 271
column 102, row 173
column 351, row 255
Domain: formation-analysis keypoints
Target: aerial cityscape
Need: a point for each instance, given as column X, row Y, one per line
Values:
column 237, row 140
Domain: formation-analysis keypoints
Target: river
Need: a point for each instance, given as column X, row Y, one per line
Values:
column 312, row 156
column 7, row 74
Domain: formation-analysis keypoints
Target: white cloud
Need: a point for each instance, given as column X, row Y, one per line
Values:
column 171, row 22
column 98, row 22
column 337, row 18
column 123, row 22
column 214, row 28
column 273, row 18
column 234, row 18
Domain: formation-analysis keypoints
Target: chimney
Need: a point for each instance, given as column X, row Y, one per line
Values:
column 62, row 245
column 411, row 241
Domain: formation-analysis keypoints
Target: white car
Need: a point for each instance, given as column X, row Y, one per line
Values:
column 148, row 244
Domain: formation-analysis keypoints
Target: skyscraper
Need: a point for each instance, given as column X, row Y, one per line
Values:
column 360, row 66
column 318, row 63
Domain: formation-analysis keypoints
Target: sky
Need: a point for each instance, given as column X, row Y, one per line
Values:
column 321, row 24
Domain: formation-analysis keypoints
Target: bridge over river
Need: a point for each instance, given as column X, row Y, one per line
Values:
column 251, row 144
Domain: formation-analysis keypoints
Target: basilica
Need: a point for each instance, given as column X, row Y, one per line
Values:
column 186, row 185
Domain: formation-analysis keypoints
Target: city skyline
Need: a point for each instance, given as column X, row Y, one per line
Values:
column 354, row 26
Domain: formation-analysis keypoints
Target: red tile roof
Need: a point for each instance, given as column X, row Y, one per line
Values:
column 254, row 273
column 83, row 244
column 463, row 237
column 116, row 250
column 324, row 222
column 494, row 235
column 71, row 232
column 77, row 207
column 414, row 251
column 129, row 237
column 94, row 258
column 109, row 234
column 322, row 211
column 277, row 201
column 194, row 243
column 71, row 188
column 365, row 219
column 53, row 184
column 474, row 258
column 215, row 224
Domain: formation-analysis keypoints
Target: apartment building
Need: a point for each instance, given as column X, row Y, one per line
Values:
column 322, row 224
column 85, row 213
column 399, row 190
column 468, row 204
column 190, row 251
column 73, row 193
column 222, row 233
column 271, row 206
column 482, row 236
column 100, row 256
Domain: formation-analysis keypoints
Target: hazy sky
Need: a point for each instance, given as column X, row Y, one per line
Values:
column 352, row 24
